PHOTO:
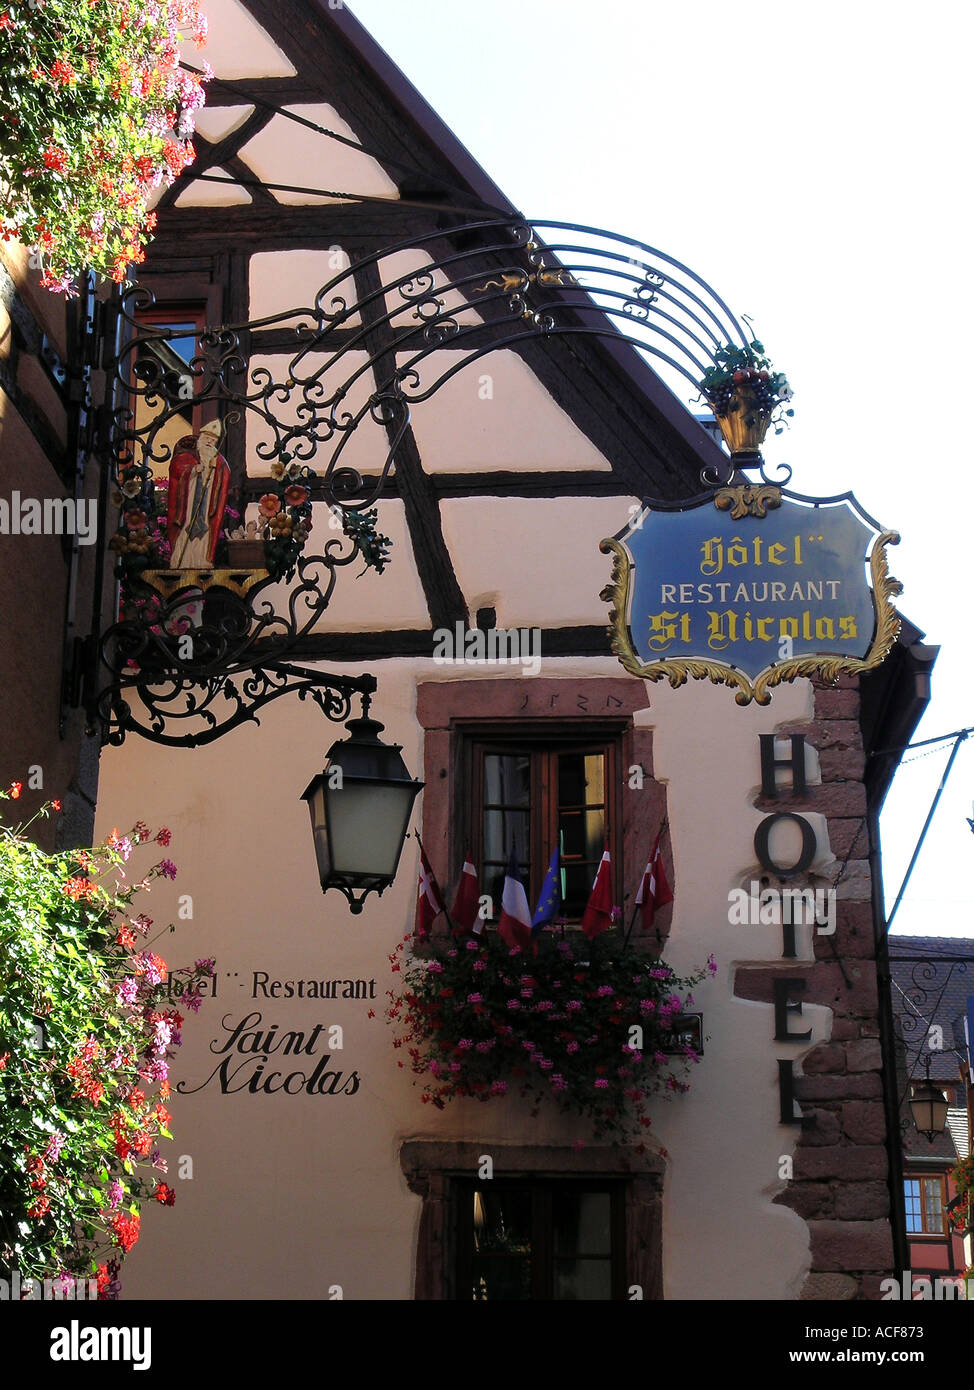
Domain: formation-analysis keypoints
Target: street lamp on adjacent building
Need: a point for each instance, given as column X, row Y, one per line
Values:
column 928, row 1104
column 360, row 806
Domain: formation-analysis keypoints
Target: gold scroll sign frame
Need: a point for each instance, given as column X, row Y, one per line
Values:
column 751, row 501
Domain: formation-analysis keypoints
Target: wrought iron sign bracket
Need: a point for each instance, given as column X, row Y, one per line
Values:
column 195, row 642
column 213, row 707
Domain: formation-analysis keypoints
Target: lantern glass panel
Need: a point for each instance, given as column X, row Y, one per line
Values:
column 319, row 827
column 367, row 822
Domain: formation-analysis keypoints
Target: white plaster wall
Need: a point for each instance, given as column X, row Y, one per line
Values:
column 213, row 195
column 293, row 1194
column 722, row 1236
column 284, row 280
column 215, row 123
column 407, row 272
column 285, row 152
column 236, row 45
column 495, row 414
column 538, row 555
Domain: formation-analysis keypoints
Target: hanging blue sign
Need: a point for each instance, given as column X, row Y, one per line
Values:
column 751, row 586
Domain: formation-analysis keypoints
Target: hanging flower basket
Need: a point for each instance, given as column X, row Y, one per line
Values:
column 98, row 115
column 585, row 1025
column 961, row 1216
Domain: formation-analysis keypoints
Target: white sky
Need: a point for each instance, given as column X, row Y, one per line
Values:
column 811, row 162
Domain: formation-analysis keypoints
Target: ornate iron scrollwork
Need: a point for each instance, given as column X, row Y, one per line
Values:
column 924, row 990
column 297, row 387
column 374, row 340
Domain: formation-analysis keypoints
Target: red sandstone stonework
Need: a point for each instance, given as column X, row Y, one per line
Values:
column 841, row 1166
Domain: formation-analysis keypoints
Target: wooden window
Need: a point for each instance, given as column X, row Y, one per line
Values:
column 535, row 793
column 539, row 1239
column 552, row 1223
column 925, row 1199
column 171, row 355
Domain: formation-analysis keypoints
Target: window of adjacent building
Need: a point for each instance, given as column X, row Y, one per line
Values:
column 534, row 795
column 539, row 1239
column 163, row 361
column 924, row 1199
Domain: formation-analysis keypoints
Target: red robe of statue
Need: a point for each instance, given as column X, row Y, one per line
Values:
column 197, row 500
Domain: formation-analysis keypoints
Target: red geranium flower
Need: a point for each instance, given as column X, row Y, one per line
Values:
column 125, row 1229
column 63, row 72
column 164, row 1194
column 76, row 888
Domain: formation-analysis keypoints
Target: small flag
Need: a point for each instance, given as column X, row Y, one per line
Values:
column 466, row 905
column 514, row 926
column 597, row 916
column 654, row 891
column 429, row 903
column 549, row 904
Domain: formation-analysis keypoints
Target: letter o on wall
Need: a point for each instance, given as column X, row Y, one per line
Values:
column 762, row 837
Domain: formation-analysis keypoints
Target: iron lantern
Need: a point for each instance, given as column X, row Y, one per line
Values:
column 928, row 1104
column 360, row 806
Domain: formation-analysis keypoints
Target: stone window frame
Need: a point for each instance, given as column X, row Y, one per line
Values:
column 451, row 712
column 432, row 1167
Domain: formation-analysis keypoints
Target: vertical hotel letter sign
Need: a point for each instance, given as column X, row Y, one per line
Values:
column 750, row 586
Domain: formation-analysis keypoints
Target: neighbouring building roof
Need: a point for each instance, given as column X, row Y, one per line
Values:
column 932, row 979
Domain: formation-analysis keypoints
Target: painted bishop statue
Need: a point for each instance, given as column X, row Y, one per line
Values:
column 199, row 479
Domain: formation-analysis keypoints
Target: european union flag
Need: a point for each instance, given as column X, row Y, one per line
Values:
column 549, row 904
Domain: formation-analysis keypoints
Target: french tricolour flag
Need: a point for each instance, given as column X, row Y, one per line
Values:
column 514, row 926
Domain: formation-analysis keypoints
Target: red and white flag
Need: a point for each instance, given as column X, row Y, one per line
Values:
column 466, row 905
column 597, row 916
column 429, row 903
column 654, row 891
column 514, row 926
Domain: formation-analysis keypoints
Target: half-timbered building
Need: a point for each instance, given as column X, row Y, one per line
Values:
column 326, row 191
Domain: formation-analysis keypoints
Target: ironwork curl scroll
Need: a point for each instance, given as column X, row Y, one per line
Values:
column 383, row 335
column 373, row 335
